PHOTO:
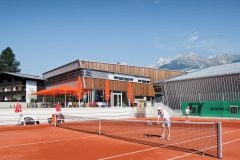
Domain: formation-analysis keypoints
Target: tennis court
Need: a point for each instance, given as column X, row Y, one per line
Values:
column 45, row 142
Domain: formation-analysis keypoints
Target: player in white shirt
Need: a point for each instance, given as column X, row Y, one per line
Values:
column 165, row 121
column 187, row 113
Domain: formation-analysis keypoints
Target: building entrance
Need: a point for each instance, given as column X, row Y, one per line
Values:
column 117, row 99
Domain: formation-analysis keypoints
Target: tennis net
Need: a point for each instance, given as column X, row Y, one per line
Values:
column 202, row 138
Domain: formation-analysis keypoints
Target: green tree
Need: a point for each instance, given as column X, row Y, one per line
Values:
column 8, row 62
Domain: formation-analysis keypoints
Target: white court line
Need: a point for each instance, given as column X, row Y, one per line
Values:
column 209, row 147
column 129, row 153
column 58, row 140
column 120, row 155
column 139, row 151
column 231, row 141
column 202, row 150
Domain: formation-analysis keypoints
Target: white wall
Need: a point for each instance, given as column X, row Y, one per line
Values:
column 9, row 117
column 9, row 105
column 31, row 86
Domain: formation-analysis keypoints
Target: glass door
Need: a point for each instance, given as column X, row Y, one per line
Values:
column 117, row 99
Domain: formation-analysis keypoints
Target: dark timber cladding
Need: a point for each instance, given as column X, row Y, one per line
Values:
column 15, row 86
column 154, row 74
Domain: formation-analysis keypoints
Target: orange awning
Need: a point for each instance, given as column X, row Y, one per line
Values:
column 57, row 91
column 42, row 92
column 63, row 90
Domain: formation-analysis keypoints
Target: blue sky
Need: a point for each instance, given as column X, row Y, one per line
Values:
column 45, row 34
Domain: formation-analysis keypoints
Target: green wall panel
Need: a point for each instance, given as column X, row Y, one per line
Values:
column 213, row 109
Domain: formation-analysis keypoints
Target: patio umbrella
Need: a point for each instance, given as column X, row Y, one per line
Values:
column 107, row 91
column 58, row 107
column 79, row 89
column 18, row 109
column 42, row 92
column 57, row 91
column 63, row 90
column 130, row 95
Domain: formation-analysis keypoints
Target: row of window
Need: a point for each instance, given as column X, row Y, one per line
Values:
column 17, row 88
column 130, row 79
column 143, row 81
column 123, row 79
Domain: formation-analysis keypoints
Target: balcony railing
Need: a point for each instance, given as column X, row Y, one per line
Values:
column 12, row 92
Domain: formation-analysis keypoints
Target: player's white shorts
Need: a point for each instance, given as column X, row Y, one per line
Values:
column 166, row 124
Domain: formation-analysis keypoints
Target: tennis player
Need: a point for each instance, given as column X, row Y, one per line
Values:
column 165, row 121
column 187, row 113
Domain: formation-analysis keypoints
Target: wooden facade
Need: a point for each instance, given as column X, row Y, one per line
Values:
column 154, row 74
column 67, row 75
column 139, row 89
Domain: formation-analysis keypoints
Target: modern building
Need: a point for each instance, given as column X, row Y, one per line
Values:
column 19, row 87
column 216, row 88
column 94, row 75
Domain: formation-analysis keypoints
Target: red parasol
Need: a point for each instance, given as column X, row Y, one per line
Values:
column 57, row 91
column 107, row 91
column 58, row 107
column 18, row 108
column 79, row 88
column 130, row 95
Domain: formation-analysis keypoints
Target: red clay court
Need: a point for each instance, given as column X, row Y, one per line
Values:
column 45, row 142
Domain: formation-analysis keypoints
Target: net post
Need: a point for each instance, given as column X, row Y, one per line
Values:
column 219, row 139
column 99, row 126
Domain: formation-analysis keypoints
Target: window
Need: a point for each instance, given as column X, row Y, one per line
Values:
column 120, row 78
column 234, row 109
column 143, row 81
column 123, row 78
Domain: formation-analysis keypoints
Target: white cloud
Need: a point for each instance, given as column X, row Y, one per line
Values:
column 211, row 56
column 161, row 61
column 152, row 66
column 194, row 36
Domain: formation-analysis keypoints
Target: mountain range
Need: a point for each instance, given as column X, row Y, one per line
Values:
column 192, row 61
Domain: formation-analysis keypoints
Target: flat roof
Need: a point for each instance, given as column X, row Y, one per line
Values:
column 27, row 76
column 130, row 65
column 220, row 70
column 74, row 65
column 73, row 62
